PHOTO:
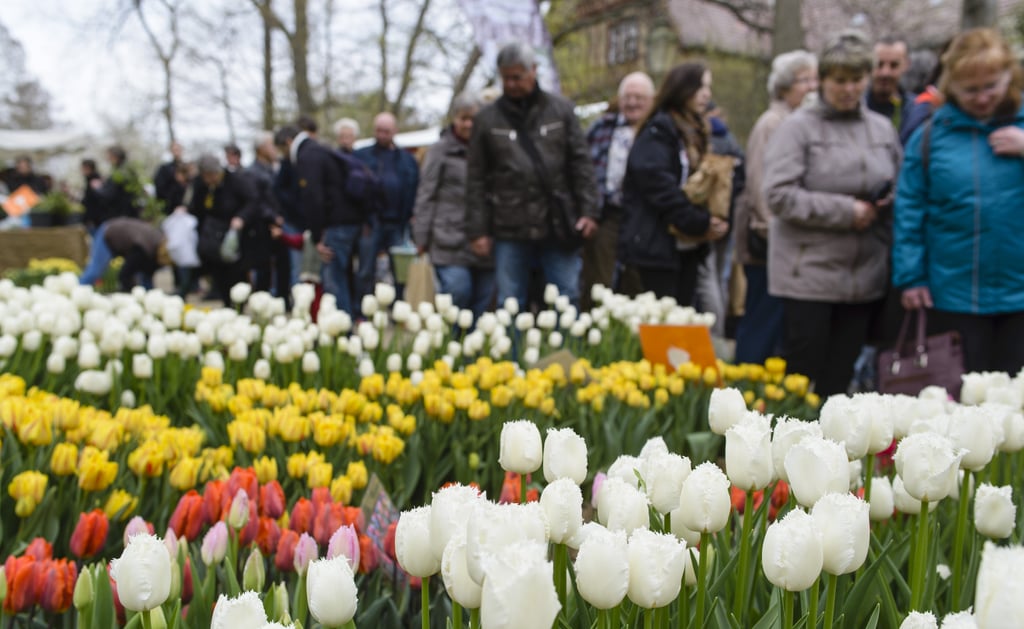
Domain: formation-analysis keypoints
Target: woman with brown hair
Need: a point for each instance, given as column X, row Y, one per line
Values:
column 828, row 171
column 669, row 147
column 958, row 211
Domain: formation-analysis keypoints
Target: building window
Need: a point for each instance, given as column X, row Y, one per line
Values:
column 623, row 42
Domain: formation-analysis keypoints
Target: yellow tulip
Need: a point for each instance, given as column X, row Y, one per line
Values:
column 297, row 465
column 265, row 468
column 464, row 398
column 689, row 371
column 120, row 502
column 387, row 446
column 33, row 428
column 405, row 424
column 710, row 376
column 370, row 413
column 105, row 434
column 341, row 490
column 329, row 430
column 547, row 406
column 252, row 437
column 356, row 472
column 95, row 472
column 65, row 413
column 185, row 473
column 372, row 387
column 28, row 489
column 660, row 397
column 501, row 396
column 211, row 377
column 796, row 384
column 319, row 475
column 813, row 399
column 294, row 428
column 147, row 460
column 775, row 365
column 479, row 410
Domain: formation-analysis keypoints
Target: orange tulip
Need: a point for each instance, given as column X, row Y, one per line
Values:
column 354, row 516
column 21, row 583
column 267, row 536
column 367, row 554
column 216, row 501
column 272, row 500
column 328, row 520
column 243, row 478
column 39, row 549
column 302, row 516
column 284, row 559
column 58, row 585
column 90, row 534
column 188, row 518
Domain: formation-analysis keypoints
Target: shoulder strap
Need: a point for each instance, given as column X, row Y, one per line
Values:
column 531, row 150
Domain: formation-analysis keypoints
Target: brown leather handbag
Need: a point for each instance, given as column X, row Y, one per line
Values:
column 928, row 360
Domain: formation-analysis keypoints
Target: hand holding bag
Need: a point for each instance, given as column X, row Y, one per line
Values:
column 910, row 367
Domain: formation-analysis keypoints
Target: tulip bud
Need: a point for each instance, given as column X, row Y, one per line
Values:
column 928, row 465
column 521, row 449
column 562, row 502
column 655, row 588
column 792, row 555
column 848, row 421
column 261, row 369
column 726, row 407
column 994, row 512
column 331, row 591
column 157, row 620
column 279, row 596
column 882, row 505
column 84, row 592
column 455, row 572
column 602, row 568
column 565, row 456
column 238, row 516
column 254, row 574
column 845, row 530
column 310, row 363
column 412, row 543
column 142, row 573
column 816, row 467
column 345, row 543
column 625, row 468
column 999, row 597
column 748, row 454
column 215, row 544
column 920, row 620
column 245, row 610
column 305, row 552
column 519, row 588
column 704, row 499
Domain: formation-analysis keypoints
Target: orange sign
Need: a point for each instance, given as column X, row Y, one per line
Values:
column 20, row 201
column 674, row 345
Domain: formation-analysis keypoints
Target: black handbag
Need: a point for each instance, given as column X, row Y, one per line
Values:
column 211, row 237
column 911, row 366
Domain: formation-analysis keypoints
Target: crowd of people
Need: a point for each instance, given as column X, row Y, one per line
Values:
column 832, row 226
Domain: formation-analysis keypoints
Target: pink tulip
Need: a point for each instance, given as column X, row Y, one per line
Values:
column 305, row 552
column 345, row 541
column 215, row 544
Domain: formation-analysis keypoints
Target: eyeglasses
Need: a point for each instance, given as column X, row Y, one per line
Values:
column 975, row 91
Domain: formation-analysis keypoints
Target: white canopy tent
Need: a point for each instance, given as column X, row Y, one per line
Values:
column 40, row 142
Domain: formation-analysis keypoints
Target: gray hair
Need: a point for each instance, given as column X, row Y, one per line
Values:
column 516, row 54
column 465, row 101
column 848, row 51
column 785, row 67
column 208, row 164
column 346, row 123
column 263, row 137
column 639, row 77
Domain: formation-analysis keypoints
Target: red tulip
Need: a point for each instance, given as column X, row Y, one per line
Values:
column 216, row 501
column 354, row 516
column 389, row 541
column 329, row 518
column 90, row 534
column 39, row 549
column 367, row 554
column 248, row 533
column 321, row 497
column 285, row 557
column 21, row 583
column 272, row 500
column 267, row 536
column 58, row 585
column 186, row 582
column 302, row 516
column 188, row 518
column 244, row 478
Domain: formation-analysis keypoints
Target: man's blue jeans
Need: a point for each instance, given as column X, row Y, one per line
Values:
column 99, row 258
column 513, row 260
column 342, row 240
column 470, row 287
column 381, row 237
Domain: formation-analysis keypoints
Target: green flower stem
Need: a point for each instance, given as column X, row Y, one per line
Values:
column 147, row 622
column 561, row 559
column 739, row 603
column 351, row 624
column 300, row 603
column 869, row 473
column 702, row 569
column 649, row 619
column 958, row 543
column 425, row 602
column 667, row 526
column 830, row 601
column 920, row 559
column 474, row 618
column 615, row 623
column 603, row 621
column 456, row 615
column 787, row 610
column 684, row 600
column 522, row 488
column 812, row 604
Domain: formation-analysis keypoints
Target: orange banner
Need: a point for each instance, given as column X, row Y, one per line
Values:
column 20, row 201
column 674, row 345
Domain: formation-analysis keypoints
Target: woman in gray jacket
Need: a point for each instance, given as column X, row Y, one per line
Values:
column 828, row 178
column 438, row 226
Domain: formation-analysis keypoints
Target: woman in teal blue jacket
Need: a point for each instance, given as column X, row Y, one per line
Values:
column 959, row 216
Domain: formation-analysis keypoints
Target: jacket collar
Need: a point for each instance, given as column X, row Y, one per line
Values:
column 830, row 113
column 951, row 115
column 293, row 151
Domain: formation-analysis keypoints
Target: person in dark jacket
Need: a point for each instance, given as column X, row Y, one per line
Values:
column 91, row 202
column 222, row 201
column 884, row 94
column 399, row 176
column 168, row 189
column 121, row 189
column 141, row 245
column 334, row 224
column 438, row 225
column 269, row 258
column 668, row 148
column 529, row 208
column 958, row 216
column 24, row 175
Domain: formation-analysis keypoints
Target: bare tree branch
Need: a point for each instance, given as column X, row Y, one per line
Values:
column 754, row 14
column 410, row 51
column 383, row 43
column 467, row 71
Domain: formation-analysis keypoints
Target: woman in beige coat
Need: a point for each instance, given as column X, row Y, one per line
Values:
column 828, row 179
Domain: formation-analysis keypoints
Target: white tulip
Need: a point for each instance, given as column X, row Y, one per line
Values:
column 856, row 468
column 928, row 465
column 55, row 363
column 310, row 363
column 142, row 366
column 565, row 456
column 561, row 303
column 999, row 595
column 460, row 586
column 331, row 591
column 519, row 590
column 970, row 430
column 240, row 292
column 550, row 294
column 368, row 305
column 534, row 337
column 521, row 450
column 663, row 475
column 385, row 294
column 705, row 500
column 657, row 562
column 815, row 467
column 625, row 468
column 245, row 610
column 261, row 369
column 621, row 506
column 594, row 337
column 142, row 573
column 493, row 527
column 904, row 502
column 67, row 347
column 787, row 433
column 849, row 422
column 882, row 504
column 842, row 520
column 654, row 446
column 748, row 455
column 94, row 382
column 726, row 408
column 530, row 356
column 555, row 339
column 128, row 398
column 995, row 515
column 547, row 320
column 882, row 424
column 692, row 538
column 214, row 359
column 401, row 311
column 365, row 368
column 465, row 319
column 920, row 620
column 959, row 620
column 450, row 511
column 562, row 502
column 602, row 568
column 792, row 554
column 89, row 356
column 412, row 543
column 31, row 340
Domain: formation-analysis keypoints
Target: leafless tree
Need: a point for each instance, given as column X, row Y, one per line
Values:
column 298, row 43
column 165, row 51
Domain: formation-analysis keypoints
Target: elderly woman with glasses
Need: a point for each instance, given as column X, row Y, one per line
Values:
column 829, row 169
column 959, row 217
